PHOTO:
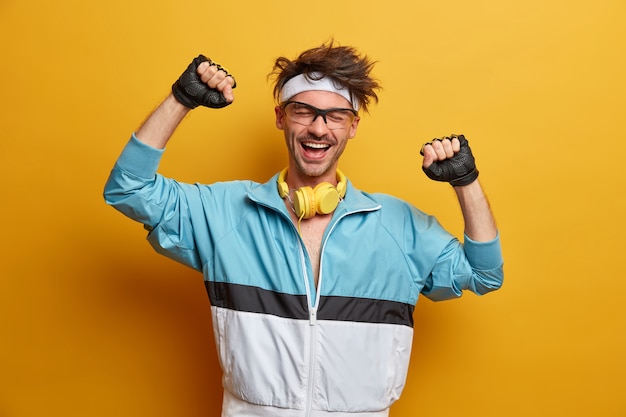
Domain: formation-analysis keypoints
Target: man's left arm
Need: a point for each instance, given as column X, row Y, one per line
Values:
column 480, row 224
column 450, row 159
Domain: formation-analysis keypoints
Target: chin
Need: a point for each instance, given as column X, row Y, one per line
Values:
column 319, row 170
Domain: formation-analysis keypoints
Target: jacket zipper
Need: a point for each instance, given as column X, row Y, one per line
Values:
column 313, row 309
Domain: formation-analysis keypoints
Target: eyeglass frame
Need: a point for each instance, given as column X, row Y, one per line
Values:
column 319, row 112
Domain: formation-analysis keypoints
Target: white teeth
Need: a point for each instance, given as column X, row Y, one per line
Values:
column 315, row 145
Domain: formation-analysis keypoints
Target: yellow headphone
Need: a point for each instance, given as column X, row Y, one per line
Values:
column 308, row 201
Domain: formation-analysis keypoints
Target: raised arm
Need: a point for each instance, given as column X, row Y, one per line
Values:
column 450, row 159
column 480, row 224
column 204, row 83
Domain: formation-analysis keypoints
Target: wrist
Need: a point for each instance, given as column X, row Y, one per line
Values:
column 466, row 179
column 175, row 106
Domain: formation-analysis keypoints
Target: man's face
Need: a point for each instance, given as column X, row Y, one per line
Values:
column 314, row 150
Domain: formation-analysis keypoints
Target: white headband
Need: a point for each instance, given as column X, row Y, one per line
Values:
column 301, row 83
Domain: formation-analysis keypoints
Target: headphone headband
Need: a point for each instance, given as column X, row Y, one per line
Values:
column 283, row 188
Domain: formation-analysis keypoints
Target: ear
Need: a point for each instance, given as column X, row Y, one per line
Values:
column 353, row 127
column 280, row 117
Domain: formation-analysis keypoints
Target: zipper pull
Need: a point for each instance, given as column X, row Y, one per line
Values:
column 312, row 318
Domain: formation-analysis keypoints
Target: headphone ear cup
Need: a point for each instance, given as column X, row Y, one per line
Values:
column 342, row 185
column 304, row 202
column 283, row 188
column 326, row 198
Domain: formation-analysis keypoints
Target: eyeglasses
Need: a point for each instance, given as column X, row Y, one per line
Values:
column 305, row 114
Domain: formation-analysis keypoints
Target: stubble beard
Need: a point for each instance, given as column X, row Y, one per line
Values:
column 314, row 169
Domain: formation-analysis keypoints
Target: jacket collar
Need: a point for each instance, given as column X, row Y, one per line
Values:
column 355, row 200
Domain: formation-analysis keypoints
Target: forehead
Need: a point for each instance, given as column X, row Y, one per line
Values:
column 322, row 99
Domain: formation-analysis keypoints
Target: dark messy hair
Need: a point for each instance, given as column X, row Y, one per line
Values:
column 343, row 64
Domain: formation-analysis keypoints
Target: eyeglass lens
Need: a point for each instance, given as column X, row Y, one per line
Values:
column 305, row 114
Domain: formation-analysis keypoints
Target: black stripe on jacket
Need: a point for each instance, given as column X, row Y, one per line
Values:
column 256, row 300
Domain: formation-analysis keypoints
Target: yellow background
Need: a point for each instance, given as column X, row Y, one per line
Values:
column 94, row 323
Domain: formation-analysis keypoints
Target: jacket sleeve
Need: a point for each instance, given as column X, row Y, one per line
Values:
column 161, row 204
column 473, row 266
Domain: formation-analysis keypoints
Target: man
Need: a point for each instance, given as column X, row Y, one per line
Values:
column 312, row 282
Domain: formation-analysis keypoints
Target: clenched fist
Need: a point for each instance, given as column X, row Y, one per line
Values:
column 204, row 83
column 449, row 159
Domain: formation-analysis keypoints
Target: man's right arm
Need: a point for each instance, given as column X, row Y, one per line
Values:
column 133, row 187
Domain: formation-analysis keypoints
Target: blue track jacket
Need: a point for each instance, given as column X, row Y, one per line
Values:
column 288, row 348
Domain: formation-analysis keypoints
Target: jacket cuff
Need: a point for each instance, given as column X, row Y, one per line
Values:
column 140, row 159
column 484, row 255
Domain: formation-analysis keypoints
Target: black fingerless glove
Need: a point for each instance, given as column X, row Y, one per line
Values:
column 459, row 170
column 190, row 91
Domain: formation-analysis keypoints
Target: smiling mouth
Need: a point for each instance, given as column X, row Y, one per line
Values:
column 315, row 146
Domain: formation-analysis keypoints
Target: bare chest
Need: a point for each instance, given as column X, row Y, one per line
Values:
column 312, row 232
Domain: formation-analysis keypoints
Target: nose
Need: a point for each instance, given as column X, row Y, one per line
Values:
column 319, row 124
column 319, row 115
